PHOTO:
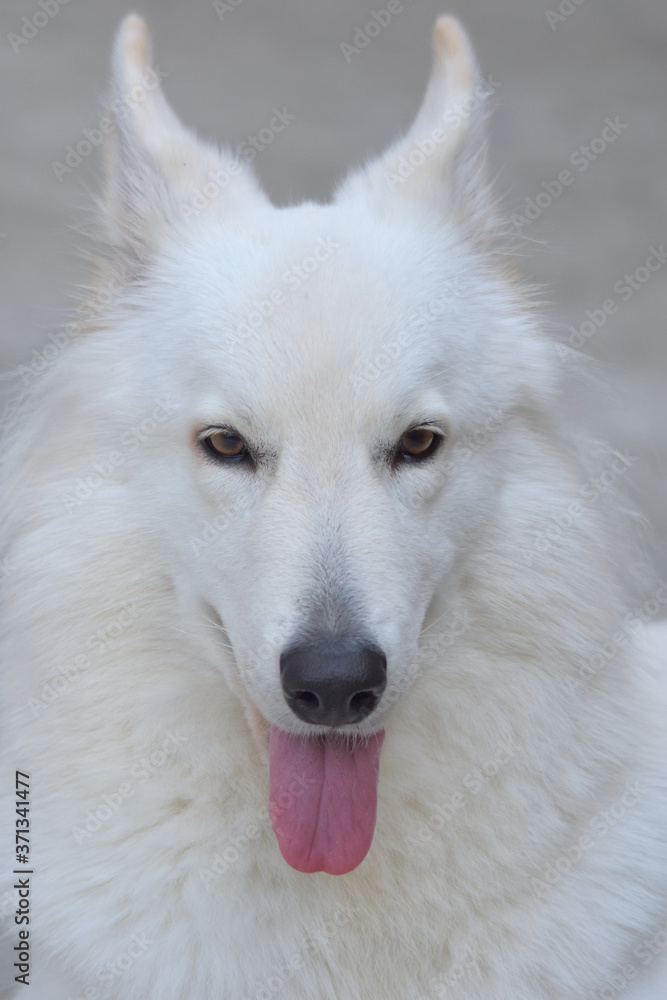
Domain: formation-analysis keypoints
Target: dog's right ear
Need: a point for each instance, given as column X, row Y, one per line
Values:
column 440, row 162
column 158, row 174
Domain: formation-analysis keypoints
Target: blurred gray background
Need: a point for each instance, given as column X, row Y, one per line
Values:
column 563, row 66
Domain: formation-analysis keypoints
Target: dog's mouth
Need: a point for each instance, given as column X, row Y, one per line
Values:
column 323, row 798
column 322, row 788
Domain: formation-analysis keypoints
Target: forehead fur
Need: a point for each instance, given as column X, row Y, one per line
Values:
column 324, row 302
column 372, row 302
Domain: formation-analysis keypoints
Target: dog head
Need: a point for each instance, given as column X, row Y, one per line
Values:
column 329, row 370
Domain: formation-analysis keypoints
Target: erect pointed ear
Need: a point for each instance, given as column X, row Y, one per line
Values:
column 159, row 174
column 441, row 160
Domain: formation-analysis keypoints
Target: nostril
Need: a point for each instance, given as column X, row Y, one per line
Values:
column 307, row 699
column 364, row 703
column 333, row 682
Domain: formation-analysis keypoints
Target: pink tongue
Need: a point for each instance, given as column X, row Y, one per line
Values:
column 323, row 799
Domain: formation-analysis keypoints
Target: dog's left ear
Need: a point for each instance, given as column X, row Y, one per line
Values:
column 158, row 172
column 441, row 160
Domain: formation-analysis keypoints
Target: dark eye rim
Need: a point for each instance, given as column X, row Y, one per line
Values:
column 204, row 442
column 402, row 457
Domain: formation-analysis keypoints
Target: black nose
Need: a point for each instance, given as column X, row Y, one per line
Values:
column 334, row 682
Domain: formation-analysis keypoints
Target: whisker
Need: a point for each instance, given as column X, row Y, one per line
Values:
column 435, row 622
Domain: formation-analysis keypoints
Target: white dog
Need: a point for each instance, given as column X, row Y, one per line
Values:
column 324, row 677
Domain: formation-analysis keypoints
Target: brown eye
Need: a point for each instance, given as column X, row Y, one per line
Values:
column 225, row 445
column 420, row 442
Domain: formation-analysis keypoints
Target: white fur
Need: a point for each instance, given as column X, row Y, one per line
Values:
column 494, row 764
